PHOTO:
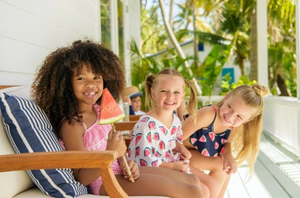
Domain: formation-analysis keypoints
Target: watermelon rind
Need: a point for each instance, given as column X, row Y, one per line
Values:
column 111, row 120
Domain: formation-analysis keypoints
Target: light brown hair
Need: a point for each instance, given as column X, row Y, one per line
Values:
column 151, row 81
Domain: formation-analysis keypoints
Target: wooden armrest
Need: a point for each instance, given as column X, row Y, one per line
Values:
column 67, row 159
column 134, row 117
column 124, row 126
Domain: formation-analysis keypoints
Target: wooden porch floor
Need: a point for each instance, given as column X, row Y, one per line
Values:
column 277, row 175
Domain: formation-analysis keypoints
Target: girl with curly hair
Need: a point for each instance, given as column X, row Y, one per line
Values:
column 226, row 134
column 68, row 87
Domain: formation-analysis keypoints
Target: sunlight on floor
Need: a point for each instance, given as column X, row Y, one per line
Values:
column 239, row 188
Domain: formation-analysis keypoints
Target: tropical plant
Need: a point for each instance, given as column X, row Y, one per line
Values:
column 226, row 86
column 228, row 33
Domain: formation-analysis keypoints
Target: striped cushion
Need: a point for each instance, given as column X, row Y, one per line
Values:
column 28, row 131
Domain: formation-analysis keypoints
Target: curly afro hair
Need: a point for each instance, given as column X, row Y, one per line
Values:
column 52, row 88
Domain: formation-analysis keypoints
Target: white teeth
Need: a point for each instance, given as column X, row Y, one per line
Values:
column 90, row 94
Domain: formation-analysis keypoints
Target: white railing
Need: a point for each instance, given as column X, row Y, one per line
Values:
column 281, row 121
column 209, row 99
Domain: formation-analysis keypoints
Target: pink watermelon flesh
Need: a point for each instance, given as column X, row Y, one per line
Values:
column 110, row 112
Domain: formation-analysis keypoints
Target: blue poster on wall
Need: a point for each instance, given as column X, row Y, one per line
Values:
column 231, row 74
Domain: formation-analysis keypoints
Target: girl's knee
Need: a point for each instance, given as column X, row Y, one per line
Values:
column 205, row 191
column 195, row 180
column 194, row 191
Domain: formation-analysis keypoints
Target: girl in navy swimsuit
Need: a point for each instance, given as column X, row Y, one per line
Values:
column 226, row 134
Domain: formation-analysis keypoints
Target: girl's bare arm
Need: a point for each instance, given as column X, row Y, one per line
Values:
column 72, row 138
column 205, row 116
column 229, row 164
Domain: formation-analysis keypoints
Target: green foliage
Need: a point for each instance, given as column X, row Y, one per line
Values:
column 213, row 66
column 143, row 65
column 243, row 80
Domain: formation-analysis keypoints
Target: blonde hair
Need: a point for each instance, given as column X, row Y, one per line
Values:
column 247, row 138
column 152, row 80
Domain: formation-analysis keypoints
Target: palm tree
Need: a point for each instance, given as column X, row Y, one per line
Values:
column 282, row 46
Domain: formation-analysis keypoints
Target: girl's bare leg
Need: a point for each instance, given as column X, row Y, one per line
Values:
column 224, row 187
column 213, row 164
column 210, row 182
column 153, row 181
column 167, row 172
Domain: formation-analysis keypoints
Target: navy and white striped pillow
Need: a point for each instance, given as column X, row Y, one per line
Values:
column 29, row 130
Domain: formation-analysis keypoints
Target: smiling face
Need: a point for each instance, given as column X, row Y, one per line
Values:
column 235, row 112
column 168, row 92
column 87, row 87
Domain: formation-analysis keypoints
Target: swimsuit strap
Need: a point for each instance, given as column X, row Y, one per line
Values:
column 85, row 128
column 215, row 114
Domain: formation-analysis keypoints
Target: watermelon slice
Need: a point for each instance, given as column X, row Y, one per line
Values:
column 162, row 145
column 216, row 145
column 163, row 130
column 156, row 136
column 157, row 154
column 205, row 152
column 143, row 162
column 148, row 137
column 211, row 136
column 154, row 163
column 223, row 141
column 173, row 130
column 147, row 152
column 202, row 138
column 138, row 138
column 168, row 155
column 151, row 125
column 109, row 112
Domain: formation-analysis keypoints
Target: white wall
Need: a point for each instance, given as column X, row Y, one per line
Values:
column 31, row 29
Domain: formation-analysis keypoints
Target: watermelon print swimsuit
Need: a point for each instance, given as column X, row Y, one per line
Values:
column 95, row 139
column 207, row 142
column 151, row 142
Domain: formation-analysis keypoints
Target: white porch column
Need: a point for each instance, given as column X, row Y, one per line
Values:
column 298, row 48
column 126, row 34
column 298, row 62
column 114, row 26
column 262, row 44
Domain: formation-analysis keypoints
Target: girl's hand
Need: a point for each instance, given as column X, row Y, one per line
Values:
column 116, row 142
column 185, row 154
column 180, row 166
column 135, row 171
column 229, row 165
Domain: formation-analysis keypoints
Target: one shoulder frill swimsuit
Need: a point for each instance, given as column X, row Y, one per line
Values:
column 207, row 142
column 95, row 139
